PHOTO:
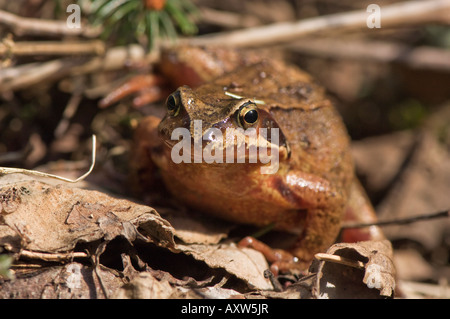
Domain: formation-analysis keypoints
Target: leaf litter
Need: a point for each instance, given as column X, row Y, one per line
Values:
column 88, row 244
column 46, row 223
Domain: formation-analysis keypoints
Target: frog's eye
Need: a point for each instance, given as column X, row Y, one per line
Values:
column 173, row 104
column 247, row 115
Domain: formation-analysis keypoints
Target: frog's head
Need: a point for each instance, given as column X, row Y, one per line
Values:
column 220, row 128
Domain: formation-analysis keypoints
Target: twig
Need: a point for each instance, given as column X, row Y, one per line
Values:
column 71, row 107
column 52, row 48
column 399, row 221
column 397, row 14
column 12, row 170
column 32, row 26
column 228, row 19
column 23, row 76
column 430, row 58
column 273, row 280
column 116, row 58
column 52, row 256
column 95, row 260
column 238, row 97
column 339, row 260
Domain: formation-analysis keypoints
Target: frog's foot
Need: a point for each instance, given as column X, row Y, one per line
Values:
column 281, row 261
column 149, row 88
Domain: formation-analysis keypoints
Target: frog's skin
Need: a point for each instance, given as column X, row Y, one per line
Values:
column 315, row 186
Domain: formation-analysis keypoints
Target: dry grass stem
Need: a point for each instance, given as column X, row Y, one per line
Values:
column 56, row 257
column 13, row 170
column 31, row 26
column 402, row 221
column 429, row 58
column 26, row 75
column 339, row 260
column 34, row 48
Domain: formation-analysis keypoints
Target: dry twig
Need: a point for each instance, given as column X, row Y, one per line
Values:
column 26, row 75
column 52, row 256
column 339, row 260
column 13, row 170
column 71, row 107
column 430, row 58
column 395, row 15
column 40, row 27
column 400, row 221
column 52, row 48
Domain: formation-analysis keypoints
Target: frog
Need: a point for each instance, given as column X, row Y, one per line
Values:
column 313, row 188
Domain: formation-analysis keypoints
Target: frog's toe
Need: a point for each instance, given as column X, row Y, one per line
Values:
column 281, row 261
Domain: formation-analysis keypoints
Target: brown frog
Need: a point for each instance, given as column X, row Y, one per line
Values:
column 309, row 185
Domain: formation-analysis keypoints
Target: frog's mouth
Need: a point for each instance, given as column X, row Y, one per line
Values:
column 216, row 146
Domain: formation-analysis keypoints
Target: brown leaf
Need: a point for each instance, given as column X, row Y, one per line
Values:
column 198, row 230
column 404, row 258
column 422, row 188
column 379, row 159
column 366, row 270
column 54, row 219
column 145, row 286
column 246, row 264
column 70, row 281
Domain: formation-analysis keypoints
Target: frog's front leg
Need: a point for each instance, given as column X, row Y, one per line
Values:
column 147, row 144
column 322, row 206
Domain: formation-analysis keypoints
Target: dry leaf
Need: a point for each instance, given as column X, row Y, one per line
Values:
column 145, row 286
column 198, row 230
column 301, row 289
column 54, row 219
column 372, row 276
column 246, row 264
column 379, row 159
column 70, row 281
column 418, row 290
column 46, row 222
column 218, row 293
column 422, row 188
column 404, row 258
